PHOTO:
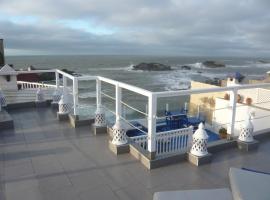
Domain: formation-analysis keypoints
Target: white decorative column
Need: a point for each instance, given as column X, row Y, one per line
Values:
column 2, row 99
column 40, row 99
column 64, row 106
column 100, row 125
column 152, row 112
column 119, row 134
column 246, row 141
column 100, row 119
column 119, row 143
column 56, row 96
column 246, row 131
column 198, row 154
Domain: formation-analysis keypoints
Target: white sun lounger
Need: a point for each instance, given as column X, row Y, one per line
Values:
column 248, row 185
column 212, row 194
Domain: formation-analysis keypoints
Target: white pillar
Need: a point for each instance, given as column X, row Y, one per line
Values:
column 199, row 143
column 64, row 81
column 75, row 96
column 119, row 131
column 233, row 104
column 152, row 106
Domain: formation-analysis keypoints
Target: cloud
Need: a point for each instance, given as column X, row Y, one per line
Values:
column 173, row 27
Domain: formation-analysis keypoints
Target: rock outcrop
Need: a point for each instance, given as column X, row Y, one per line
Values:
column 186, row 67
column 152, row 67
column 213, row 64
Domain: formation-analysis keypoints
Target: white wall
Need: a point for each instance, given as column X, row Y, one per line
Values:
column 8, row 85
column 222, row 116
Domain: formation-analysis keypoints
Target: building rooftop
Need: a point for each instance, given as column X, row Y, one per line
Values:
column 43, row 158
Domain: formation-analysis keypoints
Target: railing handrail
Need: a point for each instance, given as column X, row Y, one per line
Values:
column 209, row 90
column 36, row 71
column 176, row 131
column 132, row 88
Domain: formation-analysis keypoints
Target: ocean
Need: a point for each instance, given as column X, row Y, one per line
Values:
column 120, row 68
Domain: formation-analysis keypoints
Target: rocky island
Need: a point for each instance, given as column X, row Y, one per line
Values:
column 152, row 67
column 213, row 64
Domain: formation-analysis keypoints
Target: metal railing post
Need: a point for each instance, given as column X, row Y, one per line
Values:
column 98, row 92
column 100, row 118
column 57, row 83
column 118, row 99
column 233, row 104
column 75, row 96
column 64, row 81
column 119, row 131
column 152, row 111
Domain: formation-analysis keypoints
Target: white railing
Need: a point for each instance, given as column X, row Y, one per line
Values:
column 30, row 85
column 141, row 141
column 174, row 141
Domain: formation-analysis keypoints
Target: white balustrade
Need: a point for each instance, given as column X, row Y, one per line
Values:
column 32, row 85
column 140, row 141
column 174, row 141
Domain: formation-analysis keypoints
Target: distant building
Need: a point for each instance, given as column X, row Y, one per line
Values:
column 8, row 78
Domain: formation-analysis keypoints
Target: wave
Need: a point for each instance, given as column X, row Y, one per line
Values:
column 85, row 95
column 197, row 65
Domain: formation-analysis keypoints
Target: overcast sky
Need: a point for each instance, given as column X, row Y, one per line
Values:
column 149, row 27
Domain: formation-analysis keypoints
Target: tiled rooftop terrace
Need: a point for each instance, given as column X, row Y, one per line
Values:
column 43, row 158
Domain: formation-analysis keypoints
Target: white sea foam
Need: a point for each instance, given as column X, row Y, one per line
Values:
column 85, row 95
column 197, row 65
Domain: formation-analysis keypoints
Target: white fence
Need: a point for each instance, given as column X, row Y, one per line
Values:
column 29, row 85
column 141, row 141
column 175, row 141
column 169, row 142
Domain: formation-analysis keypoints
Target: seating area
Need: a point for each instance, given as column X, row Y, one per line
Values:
column 180, row 119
